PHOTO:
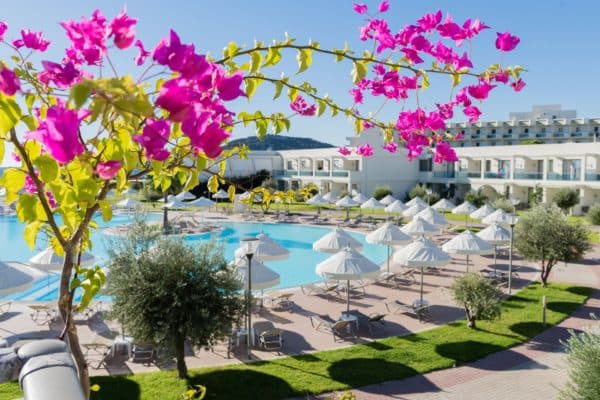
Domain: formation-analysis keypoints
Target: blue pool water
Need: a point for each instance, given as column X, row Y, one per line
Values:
column 297, row 269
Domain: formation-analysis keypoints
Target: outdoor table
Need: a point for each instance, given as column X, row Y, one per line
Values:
column 243, row 333
column 420, row 303
column 350, row 317
column 121, row 345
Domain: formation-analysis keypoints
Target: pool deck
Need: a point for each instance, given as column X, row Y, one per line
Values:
column 300, row 337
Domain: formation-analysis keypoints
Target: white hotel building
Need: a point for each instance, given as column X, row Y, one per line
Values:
column 490, row 153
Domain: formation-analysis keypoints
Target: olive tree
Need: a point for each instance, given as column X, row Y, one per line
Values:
column 545, row 235
column 167, row 292
column 566, row 198
column 479, row 298
column 583, row 353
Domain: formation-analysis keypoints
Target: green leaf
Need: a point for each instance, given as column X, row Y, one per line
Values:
column 321, row 107
column 30, row 233
column 262, row 126
column 13, row 180
column 10, row 114
column 278, row 88
column 231, row 193
column 95, row 387
column 80, row 93
column 456, row 79
column 425, row 82
column 251, row 85
column 48, row 168
column 273, row 57
column 359, row 71
column 26, row 208
column 30, row 122
column 213, row 184
column 74, row 283
column 106, row 210
column 304, row 58
column 256, row 60
column 29, row 100
column 86, row 190
column 292, row 93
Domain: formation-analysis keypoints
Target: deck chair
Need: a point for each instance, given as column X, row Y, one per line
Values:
column 97, row 351
column 375, row 320
column 339, row 329
column 269, row 337
column 398, row 307
column 43, row 313
column 88, row 312
column 143, row 352
column 5, row 307
column 321, row 289
column 282, row 301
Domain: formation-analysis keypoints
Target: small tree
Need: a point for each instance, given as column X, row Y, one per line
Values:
column 477, row 198
column 479, row 298
column 546, row 236
column 583, row 353
column 381, row 191
column 431, row 198
column 418, row 191
column 503, row 204
column 171, row 292
column 593, row 214
column 536, row 196
column 566, row 198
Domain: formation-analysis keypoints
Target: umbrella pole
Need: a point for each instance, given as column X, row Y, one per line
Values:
column 388, row 259
column 495, row 251
column 421, row 285
column 347, row 212
column 467, row 263
column 348, row 296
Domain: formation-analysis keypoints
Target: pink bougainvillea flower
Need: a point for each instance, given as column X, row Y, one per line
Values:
column 3, row 29
column 384, row 6
column 446, row 110
column 419, row 43
column 108, row 169
column 435, row 122
column 391, row 147
column 506, row 42
column 518, row 85
column 229, row 87
column 501, row 76
column 367, row 124
column 88, row 39
column 472, row 29
column 30, row 186
column 481, row 91
column 123, row 29
column 51, row 200
column 462, row 62
column 414, row 150
column 444, row 153
column 9, row 83
column 357, row 96
column 143, row 53
column 31, row 40
column 366, row 150
column 459, row 135
column 444, row 54
column 360, row 8
column 412, row 55
column 344, row 151
column 300, row 106
column 462, row 97
column 59, row 132
column 63, row 76
column 153, row 139
column 15, row 156
column 472, row 113
column 176, row 96
column 428, row 22
column 449, row 28
column 211, row 139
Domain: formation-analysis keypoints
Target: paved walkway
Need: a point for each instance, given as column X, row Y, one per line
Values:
column 535, row 370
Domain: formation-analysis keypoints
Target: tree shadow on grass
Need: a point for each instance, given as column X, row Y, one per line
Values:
column 242, row 384
column 565, row 307
column 528, row 329
column 357, row 372
column 579, row 290
column 466, row 351
column 115, row 388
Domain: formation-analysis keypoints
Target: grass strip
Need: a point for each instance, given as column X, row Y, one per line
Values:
column 359, row 365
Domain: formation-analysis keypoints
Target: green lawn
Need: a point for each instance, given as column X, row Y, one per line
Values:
column 387, row 359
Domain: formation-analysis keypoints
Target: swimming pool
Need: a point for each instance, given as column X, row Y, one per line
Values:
column 297, row 269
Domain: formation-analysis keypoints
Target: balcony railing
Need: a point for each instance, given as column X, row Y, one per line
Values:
column 506, row 135
column 576, row 134
column 494, row 175
column 444, row 174
column 529, row 175
column 306, row 172
column 321, row 173
column 554, row 176
column 491, row 135
column 523, row 135
column 284, row 172
column 339, row 173
column 540, row 135
column 475, row 136
column 592, row 177
column 558, row 134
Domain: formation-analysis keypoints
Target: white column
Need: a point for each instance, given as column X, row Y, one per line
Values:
column 545, row 171
column 583, row 168
column 512, row 168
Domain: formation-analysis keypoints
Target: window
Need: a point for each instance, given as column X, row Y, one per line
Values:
column 477, row 144
column 543, row 130
column 560, row 129
column 425, row 165
column 320, row 165
column 488, row 165
column 509, row 130
column 478, row 131
column 577, row 129
column 493, row 131
column 290, row 165
column 526, row 130
column 596, row 129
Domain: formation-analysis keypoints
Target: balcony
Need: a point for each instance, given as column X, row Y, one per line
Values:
column 494, row 175
column 523, row 135
column 444, row 174
column 475, row 136
column 592, row 177
column 491, row 136
column 529, row 175
column 322, row 173
column 306, row 172
column 282, row 172
column 554, row 176
column 558, row 134
column 540, row 135
column 507, row 135
column 576, row 134
column 339, row 174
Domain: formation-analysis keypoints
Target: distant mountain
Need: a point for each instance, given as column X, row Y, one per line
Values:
column 277, row 142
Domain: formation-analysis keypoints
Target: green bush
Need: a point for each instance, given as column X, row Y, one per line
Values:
column 503, row 204
column 593, row 214
column 381, row 191
column 535, row 197
column 566, row 198
column 479, row 298
column 418, row 191
column 476, row 198
column 583, row 353
column 431, row 198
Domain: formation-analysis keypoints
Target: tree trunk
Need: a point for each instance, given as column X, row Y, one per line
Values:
column 546, row 268
column 471, row 323
column 180, row 354
column 65, row 307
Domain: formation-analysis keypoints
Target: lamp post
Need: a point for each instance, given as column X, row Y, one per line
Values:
column 513, row 222
column 249, row 245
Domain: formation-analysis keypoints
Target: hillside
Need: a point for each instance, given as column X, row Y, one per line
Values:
column 277, row 142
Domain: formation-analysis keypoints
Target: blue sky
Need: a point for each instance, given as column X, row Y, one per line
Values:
column 559, row 44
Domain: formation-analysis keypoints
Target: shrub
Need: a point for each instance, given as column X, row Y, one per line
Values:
column 381, row 191
column 535, row 197
column 431, row 198
column 167, row 292
column 593, row 214
column 503, row 204
column 546, row 235
column 418, row 191
column 476, row 198
column 479, row 298
column 583, row 353
column 566, row 198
